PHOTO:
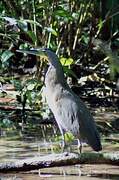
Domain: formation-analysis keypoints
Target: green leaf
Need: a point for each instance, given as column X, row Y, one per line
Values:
column 29, row 21
column 12, row 21
column 69, row 72
column 85, row 38
column 6, row 123
column 30, row 87
column 63, row 14
column 66, row 61
column 6, row 55
column 29, row 98
column 100, row 24
column 51, row 30
column 69, row 137
column 32, row 36
column 17, row 84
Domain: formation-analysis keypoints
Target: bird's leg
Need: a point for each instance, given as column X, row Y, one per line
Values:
column 63, row 144
column 79, row 146
column 63, row 139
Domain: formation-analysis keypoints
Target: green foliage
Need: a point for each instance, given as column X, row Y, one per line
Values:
column 66, row 61
column 68, row 137
column 67, row 27
column 5, row 57
column 6, row 123
column 111, row 56
column 28, row 92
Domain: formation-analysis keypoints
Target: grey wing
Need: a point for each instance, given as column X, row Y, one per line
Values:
column 66, row 114
column 73, row 116
column 88, row 128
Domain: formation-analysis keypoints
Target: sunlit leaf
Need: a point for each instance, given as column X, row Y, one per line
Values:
column 23, row 25
column 6, row 55
column 24, row 46
column 69, row 137
column 12, row 21
column 30, row 21
column 30, row 87
column 51, row 30
column 63, row 13
column 75, row 15
column 66, row 61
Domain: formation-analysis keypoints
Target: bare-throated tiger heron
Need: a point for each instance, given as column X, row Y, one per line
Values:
column 69, row 110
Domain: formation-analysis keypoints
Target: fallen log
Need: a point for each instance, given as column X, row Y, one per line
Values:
column 63, row 159
column 12, row 108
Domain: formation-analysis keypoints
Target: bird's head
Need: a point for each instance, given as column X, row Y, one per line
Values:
column 42, row 52
column 45, row 53
column 51, row 57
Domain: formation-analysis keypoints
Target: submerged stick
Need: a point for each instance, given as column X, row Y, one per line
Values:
column 63, row 159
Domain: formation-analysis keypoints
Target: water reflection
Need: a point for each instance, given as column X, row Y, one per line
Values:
column 34, row 143
column 83, row 172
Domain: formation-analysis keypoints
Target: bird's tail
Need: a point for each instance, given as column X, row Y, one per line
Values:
column 95, row 143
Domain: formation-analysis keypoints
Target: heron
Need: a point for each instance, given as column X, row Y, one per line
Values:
column 70, row 112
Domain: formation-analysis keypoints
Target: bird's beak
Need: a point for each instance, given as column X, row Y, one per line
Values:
column 36, row 52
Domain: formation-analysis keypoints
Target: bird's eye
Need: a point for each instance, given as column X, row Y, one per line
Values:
column 43, row 50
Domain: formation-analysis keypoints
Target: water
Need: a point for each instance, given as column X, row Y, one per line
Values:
column 22, row 144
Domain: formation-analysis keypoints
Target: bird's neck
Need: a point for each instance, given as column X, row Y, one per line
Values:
column 54, row 77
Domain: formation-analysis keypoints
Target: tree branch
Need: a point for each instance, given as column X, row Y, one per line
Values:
column 63, row 159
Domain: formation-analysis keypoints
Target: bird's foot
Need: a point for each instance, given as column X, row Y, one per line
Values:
column 79, row 146
column 65, row 147
column 62, row 145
